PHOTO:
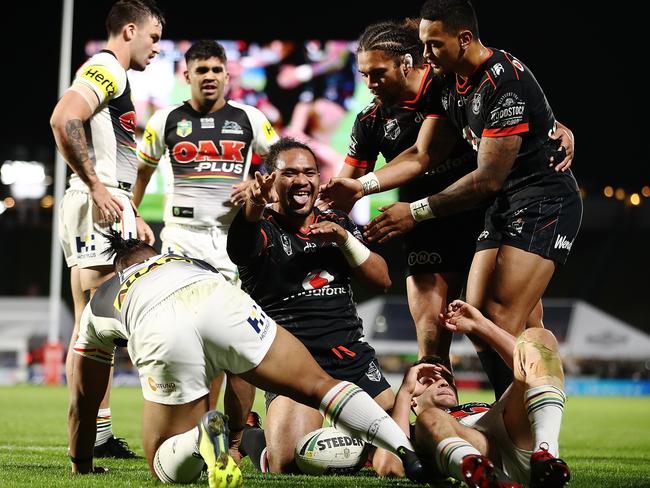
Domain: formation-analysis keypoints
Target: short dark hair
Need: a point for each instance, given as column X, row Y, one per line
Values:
column 137, row 11
column 456, row 15
column 394, row 39
column 206, row 49
column 284, row 144
column 126, row 251
column 448, row 376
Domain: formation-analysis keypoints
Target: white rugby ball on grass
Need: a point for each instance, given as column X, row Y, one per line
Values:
column 330, row 451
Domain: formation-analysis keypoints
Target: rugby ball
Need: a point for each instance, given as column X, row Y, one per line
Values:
column 330, row 451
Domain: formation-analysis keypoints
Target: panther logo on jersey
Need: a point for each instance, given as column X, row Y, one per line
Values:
column 317, row 279
column 127, row 121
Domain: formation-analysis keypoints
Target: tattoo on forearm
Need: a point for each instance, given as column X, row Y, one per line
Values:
column 77, row 148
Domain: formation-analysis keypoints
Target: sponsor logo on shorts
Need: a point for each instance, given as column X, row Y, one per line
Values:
column 483, row 235
column 424, row 257
column 163, row 387
column 85, row 245
column 184, row 128
column 563, row 243
column 259, row 321
column 373, row 373
column 230, row 127
column 392, row 129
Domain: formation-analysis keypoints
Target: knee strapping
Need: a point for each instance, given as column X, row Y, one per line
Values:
column 536, row 360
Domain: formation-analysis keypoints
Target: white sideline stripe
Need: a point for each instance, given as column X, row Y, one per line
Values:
column 13, row 447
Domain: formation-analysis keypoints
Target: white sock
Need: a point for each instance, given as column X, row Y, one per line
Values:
column 177, row 460
column 545, row 405
column 349, row 407
column 104, row 426
column 450, row 453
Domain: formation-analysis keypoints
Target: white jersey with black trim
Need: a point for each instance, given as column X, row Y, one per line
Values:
column 110, row 132
column 209, row 153
column 120, row 303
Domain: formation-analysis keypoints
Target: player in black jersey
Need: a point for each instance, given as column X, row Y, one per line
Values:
column 536, row 211
column 438, row 252
column 523, row 426
column 297, row 263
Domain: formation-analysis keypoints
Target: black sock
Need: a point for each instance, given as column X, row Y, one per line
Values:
column 252, row 444
column 498, row 372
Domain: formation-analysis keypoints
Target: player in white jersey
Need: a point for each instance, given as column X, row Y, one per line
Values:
column 210, row 142
column 519, row 432
column 93, row 124
column 183, row 324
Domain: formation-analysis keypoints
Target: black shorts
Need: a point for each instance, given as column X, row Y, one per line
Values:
column 443, row 245
column 546, row 225
column 353, row 362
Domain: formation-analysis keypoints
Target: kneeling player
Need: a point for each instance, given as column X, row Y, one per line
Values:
column 297, row 262
column 184, row 324
column 522, row 428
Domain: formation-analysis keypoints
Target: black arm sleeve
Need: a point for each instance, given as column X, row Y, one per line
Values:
column 246, row 240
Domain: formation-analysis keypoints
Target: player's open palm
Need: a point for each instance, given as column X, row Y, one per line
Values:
column 328, row 232
column 461, row 317
column 341, row 193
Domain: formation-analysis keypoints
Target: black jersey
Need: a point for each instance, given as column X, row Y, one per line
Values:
column 390, row 130
column 503, row 98
column 302, row 283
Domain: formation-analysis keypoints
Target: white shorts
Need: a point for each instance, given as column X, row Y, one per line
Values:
column 185, row 341
column 206, row 243
column 515, row 461
column 78, row 229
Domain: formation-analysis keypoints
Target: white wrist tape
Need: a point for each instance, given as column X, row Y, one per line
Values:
column 421, row 210
column 354, row 251
column 370, row 183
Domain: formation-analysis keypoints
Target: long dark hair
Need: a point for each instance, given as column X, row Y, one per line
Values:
column 126, row 251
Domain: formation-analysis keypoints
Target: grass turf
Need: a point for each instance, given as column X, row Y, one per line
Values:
column 606, row 442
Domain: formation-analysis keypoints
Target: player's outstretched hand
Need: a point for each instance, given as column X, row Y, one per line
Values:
column 261, row 192
column 328, row 232
column 461, row 317
column 240, row 192
column 341, row 193
column 108, row 206
column 567, row 141
column 394, row 220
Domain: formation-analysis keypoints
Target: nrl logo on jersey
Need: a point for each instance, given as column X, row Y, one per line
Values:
column 230, row 127
column 392, row 129
column 184, row 128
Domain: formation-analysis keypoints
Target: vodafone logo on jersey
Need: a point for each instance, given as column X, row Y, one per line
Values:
column 127, row 121
column 317, row 279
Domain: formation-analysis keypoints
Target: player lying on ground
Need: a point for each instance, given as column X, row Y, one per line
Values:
column 183, row 324
column 521, row 429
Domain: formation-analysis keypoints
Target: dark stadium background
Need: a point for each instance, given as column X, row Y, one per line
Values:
column 587, row 61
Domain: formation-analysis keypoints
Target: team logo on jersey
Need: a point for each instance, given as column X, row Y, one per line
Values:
column 497, row 69
column 317, row 279
column 286, row 244
column 184, row 128
column 127, row 121
column 476, row 104
column 373, row 373
column 509, row 110
column 101, row 78
column 392, row 129
column 207, row 123
column 230, row 127
column 517, row 64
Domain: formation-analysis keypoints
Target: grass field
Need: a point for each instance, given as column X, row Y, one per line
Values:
column 606, row 441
